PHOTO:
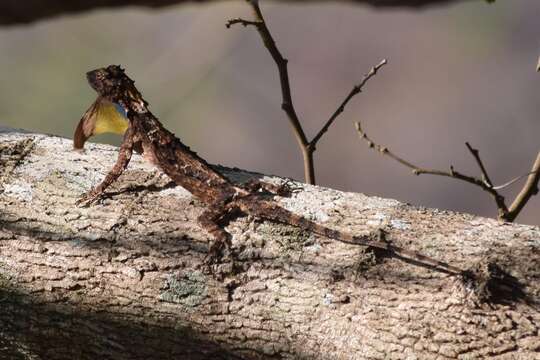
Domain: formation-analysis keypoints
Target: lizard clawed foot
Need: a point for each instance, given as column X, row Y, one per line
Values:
column 287, row 188
column 215, row 253
column 88, row 199
column 213, row 261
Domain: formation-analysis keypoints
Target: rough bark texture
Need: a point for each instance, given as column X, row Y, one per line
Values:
column 16, row 12
column 123, row 279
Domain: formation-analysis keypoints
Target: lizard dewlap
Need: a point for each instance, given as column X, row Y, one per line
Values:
column 104, row 116
column 110, row 118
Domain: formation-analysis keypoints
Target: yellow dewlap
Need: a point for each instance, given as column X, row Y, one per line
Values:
column 108, row 119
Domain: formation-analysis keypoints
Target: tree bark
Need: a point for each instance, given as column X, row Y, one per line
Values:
column 17, row 12
column 124, row 279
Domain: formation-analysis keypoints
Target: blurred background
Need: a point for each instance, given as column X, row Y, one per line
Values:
column 464, row 72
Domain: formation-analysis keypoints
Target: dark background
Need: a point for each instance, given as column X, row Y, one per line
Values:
column 464, row 72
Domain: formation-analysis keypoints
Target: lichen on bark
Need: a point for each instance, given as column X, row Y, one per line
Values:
column 188, row 288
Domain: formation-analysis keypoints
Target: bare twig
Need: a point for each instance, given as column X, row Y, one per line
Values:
column 240, row 21
column 307, row 147
column 507, row 214
column 529, row 189
column 513, row 181
column 287, row 103
column 476, row 154
column 356, row 90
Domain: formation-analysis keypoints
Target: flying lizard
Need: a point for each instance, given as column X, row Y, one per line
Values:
column 224, row 200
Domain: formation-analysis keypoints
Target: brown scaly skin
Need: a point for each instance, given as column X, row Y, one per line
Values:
column 225, row 201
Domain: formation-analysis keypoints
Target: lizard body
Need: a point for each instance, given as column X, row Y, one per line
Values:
column 225, row 201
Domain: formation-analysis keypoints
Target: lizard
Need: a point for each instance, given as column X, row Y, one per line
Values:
column 224, row 200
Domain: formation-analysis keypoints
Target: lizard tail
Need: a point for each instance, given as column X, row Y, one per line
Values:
column 281, row 215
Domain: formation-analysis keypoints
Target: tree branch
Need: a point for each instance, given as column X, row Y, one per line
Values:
column 357, row 89
column 17, row 12
column 307, row 147
column 529, row 189
column 504, row 213
column 476, row 154
column 281, row 63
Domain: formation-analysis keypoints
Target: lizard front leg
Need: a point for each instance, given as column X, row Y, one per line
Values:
column 124, row 156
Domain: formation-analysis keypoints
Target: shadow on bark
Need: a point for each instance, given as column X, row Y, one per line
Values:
column 57, row 328
column 367, row 260
column 33, row 330
column 489, row 277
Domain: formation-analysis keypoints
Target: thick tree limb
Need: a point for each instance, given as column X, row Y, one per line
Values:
column 17, row 12
column 123, row 279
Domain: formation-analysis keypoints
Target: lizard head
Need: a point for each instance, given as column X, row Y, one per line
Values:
column 113, row 84
column 109, row 82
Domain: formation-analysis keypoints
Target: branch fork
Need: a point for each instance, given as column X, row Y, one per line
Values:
column 307, row 147
column 484, row 182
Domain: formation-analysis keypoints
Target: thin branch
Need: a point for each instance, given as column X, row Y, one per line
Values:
column 243, row 22
column 514, row 180
column 356, row 90
column 281, row 63
column 499, row 199
column 287, row 102
column 476, row 154
column 529, row 189
column 507, row 214
column 307, row 147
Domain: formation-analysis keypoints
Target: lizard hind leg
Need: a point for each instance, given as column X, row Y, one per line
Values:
column 214, row 221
